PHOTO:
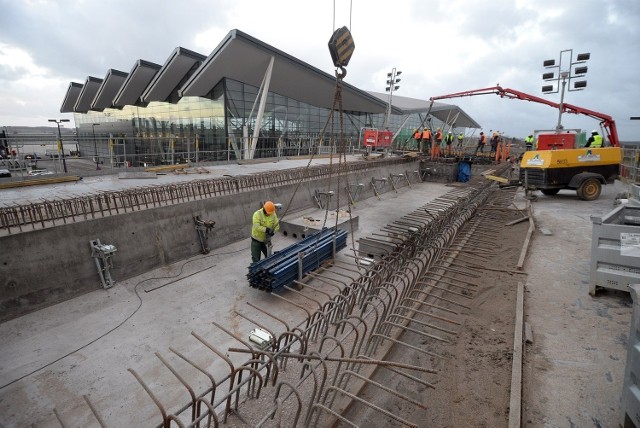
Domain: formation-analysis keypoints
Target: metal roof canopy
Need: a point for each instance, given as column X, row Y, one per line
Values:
column 110, row 85
column 135, row 83
column 87, row 94
column 245, row 59
column 441, row 111
column 180, row 64
column 71, row 98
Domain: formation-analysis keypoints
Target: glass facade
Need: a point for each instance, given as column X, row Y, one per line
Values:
column 211, row 129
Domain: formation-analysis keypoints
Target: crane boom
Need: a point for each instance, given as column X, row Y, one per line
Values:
column 606, row 121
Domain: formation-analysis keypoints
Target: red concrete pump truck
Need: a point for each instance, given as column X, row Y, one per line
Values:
column 559, row 162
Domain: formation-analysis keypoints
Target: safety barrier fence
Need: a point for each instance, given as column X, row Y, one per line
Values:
column 630, row 165
column 53, row 212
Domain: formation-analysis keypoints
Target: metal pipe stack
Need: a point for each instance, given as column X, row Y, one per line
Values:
column 282, row 267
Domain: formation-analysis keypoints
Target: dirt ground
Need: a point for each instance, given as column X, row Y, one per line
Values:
column 472, row 386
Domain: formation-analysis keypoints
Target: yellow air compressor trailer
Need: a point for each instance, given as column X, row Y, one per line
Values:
column 584, row 170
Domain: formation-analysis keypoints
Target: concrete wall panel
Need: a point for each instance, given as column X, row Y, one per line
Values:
column 45, row 266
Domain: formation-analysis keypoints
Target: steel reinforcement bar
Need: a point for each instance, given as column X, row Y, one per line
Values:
column 311, row 373
column 48, row 213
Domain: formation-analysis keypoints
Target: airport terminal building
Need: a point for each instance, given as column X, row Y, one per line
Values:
column 214, row 108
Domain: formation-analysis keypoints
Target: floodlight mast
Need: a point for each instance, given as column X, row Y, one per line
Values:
column 564, row 75
column 61, row 146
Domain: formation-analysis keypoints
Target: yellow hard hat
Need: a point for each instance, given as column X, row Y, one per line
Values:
column 269, row 207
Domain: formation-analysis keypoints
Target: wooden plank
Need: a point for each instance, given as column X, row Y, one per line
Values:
column 496, row 178
column 516, row 221
column 167, row 167
column 515, row 399
column 528, row 333
column 525, row 246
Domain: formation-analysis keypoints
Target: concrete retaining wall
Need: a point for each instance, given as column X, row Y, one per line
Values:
column 42, row 267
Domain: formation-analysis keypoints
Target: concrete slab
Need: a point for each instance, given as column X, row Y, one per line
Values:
column 301, row 224
column 573, row 372
column 93, row 182
column 51, row 358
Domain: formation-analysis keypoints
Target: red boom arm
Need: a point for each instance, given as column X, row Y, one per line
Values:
column 606, row 121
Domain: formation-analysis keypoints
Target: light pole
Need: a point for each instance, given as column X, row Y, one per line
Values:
column 61, row 146
column 95, row 145
column 391, row 86
column 565, row 74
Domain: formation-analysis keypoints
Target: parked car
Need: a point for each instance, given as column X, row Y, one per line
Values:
column 5, row 173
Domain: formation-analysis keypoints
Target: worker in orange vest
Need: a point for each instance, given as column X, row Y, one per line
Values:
column 417, row 136
column 426, row 140
column 435, row 151
column 506, row 148
column 498, row 143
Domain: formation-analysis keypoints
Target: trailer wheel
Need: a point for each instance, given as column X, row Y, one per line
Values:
column 590, row 189
column 549, row 192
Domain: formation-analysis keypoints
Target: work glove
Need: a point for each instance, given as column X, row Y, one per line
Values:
column 269, row 231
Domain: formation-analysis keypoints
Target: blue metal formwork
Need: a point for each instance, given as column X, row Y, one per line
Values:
column 282, row 267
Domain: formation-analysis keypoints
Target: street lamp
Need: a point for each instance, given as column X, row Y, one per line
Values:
column 564, row 75
column 95, row 146
column 60, row 145
column 391, row 86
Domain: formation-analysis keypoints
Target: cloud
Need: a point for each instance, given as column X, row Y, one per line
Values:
column 442, row 46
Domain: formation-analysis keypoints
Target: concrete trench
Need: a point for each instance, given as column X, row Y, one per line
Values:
column 46, row 263
column 312, row 373
column 366, row 296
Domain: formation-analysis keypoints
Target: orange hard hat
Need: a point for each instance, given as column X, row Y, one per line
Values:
column 269, row 207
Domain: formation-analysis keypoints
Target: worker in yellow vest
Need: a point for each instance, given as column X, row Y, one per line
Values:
column 265, row 225
column 449, row 141
column 528, row 142
column 595, row 141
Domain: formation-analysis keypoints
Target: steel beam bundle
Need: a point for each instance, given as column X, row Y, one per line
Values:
column 288, row 265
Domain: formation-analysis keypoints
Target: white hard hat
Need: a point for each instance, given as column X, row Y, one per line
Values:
column 594, row 131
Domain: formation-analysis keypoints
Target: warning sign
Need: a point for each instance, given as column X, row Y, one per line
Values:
column 630, row 244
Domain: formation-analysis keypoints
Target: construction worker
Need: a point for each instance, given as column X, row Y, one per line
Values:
column 426, row 140
column 437, row 143
column 265, row 225
column 528, row 142
column 494, row 142
column 460, row 140
column 595, row 141
column 439, row 136
column 449, row 141
column 481, row 143
column 435, row 148
column 417, row 137
column 506, row 148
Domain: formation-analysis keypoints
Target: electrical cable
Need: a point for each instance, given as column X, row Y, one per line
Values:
column 135, row 290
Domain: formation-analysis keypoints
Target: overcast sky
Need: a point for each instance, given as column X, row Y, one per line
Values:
column 441, row 46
